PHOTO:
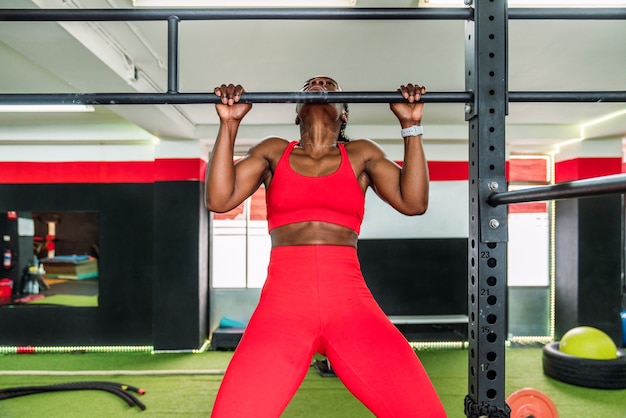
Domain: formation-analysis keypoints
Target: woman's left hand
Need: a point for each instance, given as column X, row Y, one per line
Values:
column 410, row 112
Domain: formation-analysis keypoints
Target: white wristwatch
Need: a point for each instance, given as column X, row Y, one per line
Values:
column 412, row 131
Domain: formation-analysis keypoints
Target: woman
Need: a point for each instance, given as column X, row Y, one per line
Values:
column 315, row 299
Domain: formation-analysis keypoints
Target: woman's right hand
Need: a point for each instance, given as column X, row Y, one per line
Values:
column 230, row 109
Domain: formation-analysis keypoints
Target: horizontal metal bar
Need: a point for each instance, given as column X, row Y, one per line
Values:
column 615, row 184
column 198, row 98
column 279, row 13
column 300, row 97
column 428, row 319
column 363, row 13
column 567, row 96
column 572, row 13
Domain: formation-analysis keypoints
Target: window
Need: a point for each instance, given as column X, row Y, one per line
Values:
column 529, row 244
column 241, row 245
column 529, row 225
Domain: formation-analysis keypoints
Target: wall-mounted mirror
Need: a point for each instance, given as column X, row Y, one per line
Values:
column 49, row 259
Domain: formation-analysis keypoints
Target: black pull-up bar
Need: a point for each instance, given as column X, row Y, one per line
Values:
column 173, row 97
column 614, row 184
column 280, row 13
column 199, row 98
column 270, row 13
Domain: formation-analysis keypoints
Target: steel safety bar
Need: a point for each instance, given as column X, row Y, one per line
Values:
column 572, row 13
column 614, row 184
column 567, row 96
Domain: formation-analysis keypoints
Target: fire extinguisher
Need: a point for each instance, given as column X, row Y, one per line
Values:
column 7, row 259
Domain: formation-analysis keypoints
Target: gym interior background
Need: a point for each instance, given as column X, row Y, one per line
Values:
column 169, row 272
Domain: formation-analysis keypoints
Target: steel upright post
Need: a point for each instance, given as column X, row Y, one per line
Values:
column 172, row 54
column 486, row 77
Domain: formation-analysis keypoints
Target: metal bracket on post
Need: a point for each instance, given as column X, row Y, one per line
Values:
column 493, row 219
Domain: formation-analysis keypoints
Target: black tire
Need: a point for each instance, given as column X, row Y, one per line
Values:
column 601, row 374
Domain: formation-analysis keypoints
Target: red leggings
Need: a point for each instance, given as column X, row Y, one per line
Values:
column 316, row 301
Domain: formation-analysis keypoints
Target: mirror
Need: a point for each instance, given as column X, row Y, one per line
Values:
column 49, row 259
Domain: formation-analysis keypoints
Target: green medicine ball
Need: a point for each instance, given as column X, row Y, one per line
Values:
column 588, row 342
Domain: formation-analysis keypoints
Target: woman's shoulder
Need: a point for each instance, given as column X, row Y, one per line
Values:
column 364, row 146
column 274, row 141
column 269, row 146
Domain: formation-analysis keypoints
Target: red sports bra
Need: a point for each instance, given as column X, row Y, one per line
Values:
column 336, row 198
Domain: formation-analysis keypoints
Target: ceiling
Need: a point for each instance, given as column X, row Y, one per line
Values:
column 277, row 56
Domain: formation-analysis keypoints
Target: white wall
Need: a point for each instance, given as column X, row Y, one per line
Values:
column 446, row 217
column 448, row 210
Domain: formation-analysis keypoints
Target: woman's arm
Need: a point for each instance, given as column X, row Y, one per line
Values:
column 228, row 184
column 405, row 188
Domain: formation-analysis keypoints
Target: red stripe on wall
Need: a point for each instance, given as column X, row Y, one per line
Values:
column 528, row 170
column 585, row 168
column 448, row 170
column 531, row 207
column 516, row 170
column 178, row 169
column 76, row 172
column 102, row 171
column 169, row 169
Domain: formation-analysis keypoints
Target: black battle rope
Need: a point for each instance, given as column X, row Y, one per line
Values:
column 119, row 389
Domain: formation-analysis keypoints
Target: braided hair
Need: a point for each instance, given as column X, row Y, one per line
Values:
column 342, row 131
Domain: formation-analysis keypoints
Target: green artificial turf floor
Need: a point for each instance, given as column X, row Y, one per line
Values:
column 188, row 389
